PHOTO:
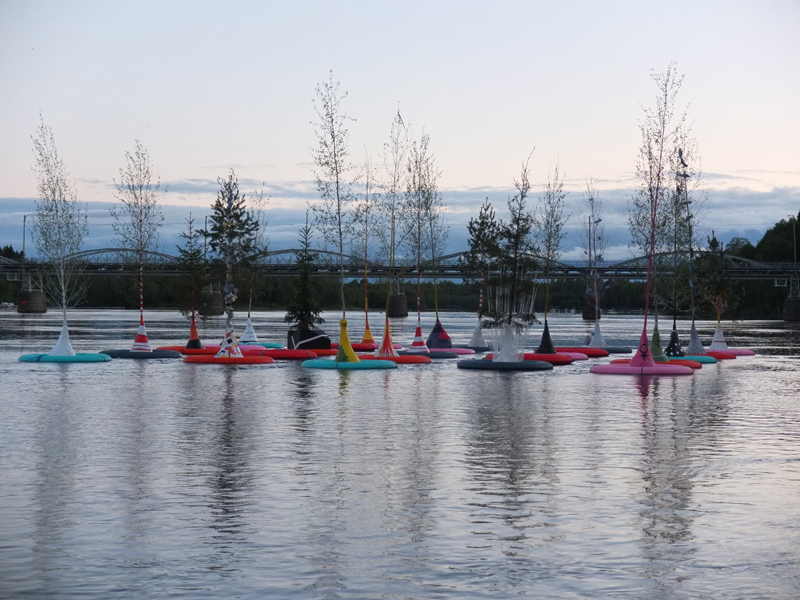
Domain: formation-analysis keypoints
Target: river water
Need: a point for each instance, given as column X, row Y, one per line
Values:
column 133, row 479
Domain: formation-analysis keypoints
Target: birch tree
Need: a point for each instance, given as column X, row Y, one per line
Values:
column 59, row 228
column 137, row 220
column 550, row 231
column 333, row 172
column 593, row 240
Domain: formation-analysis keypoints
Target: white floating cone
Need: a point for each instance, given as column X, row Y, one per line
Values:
column 477, row 341
column 249, row 334
column 63, row 346
column 718, row 344
column 229, row 348
column 695, row 345
column 597, row 340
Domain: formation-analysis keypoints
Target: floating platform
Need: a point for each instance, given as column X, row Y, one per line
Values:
column 659, row 369
column 554, row 359
column 492, row 365
column 590, row 352
column 432, row 354
column 693, row 364
column 703, row 359
column 718, row 354
column 617, row 349
column 142, row 354
column 406, row 359
column 228, row 360
column 283, row 353
column 87, row 357
column 322, row 363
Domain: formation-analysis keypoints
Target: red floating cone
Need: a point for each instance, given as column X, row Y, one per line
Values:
column 141, row 343
column 194, row 342
column 386, row 348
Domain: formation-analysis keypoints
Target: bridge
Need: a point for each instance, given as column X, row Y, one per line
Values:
column 117, row 261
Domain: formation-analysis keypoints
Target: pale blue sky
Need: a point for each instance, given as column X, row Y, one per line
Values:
column 208, row 85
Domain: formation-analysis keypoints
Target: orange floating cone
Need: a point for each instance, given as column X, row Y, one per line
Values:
column 141, row 343
column 367, row 339
column 194, row 342
column 386, row 348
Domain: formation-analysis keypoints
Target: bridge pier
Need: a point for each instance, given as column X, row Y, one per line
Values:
column 398, row 306
column 791, row 310
column 31, row 301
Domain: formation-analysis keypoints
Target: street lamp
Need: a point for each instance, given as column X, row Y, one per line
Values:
column 24, row 220
column 794, row 243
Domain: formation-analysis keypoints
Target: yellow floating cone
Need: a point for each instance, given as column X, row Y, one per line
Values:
column 345, row 353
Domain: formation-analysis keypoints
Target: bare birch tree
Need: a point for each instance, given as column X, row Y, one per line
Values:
column 391, row 200
column 648, row 221
column 593, row 240
column 137, row 220
column 550, row 231
column 333, row 174
column 59, row 228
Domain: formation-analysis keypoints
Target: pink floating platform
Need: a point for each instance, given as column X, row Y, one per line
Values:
column 590, row 352
column 659, row 369
column 672, row 361
column 740, row 351
column 574, row 355
column 553, row 359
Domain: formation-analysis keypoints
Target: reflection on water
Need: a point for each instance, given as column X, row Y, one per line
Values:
column 157, row 478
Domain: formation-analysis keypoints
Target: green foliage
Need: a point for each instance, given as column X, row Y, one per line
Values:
column 9, row 252
column 484, row 242
column 777, row 243
column 739, row 246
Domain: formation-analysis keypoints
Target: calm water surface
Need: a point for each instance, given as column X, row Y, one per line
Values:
column 157, row 478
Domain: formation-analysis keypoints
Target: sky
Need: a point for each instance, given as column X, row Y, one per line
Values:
column 209, row 86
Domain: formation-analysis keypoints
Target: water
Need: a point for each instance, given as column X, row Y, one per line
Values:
column 157, row 478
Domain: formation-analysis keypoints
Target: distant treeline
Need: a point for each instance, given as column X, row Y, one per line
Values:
column 754, row 299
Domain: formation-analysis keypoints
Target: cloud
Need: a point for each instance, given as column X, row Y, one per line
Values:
column 737, row 211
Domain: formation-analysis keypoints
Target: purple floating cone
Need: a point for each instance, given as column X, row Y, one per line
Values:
column 439, row 338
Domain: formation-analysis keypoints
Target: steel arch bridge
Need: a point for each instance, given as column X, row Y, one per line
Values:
column 116, row 261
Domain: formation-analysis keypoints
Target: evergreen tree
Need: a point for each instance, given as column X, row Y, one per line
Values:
column 190, row 260
column 305, row 306
column 233, row 234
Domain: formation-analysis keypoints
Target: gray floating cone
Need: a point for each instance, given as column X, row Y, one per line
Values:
column 63, row 346
column 695, row 345
column 249, row 334
column 718, row 343
column 597, row 340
